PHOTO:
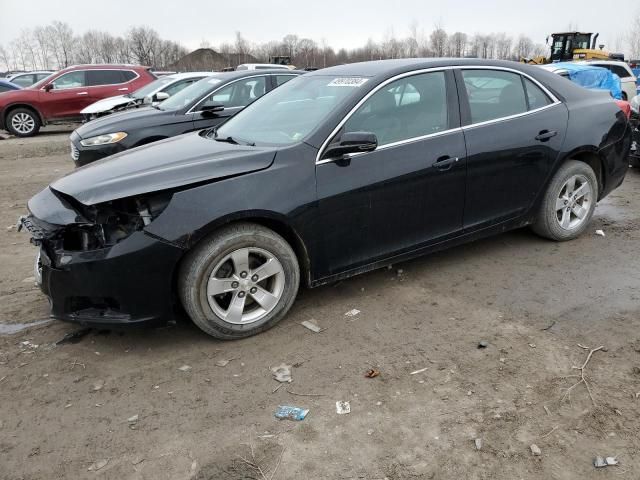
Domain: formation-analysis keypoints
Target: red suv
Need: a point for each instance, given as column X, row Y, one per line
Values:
column 61, row 96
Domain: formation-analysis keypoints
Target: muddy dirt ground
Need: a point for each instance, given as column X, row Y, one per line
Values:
column 65, row 410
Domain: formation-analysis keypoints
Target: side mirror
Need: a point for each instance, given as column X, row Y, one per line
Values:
column 352, row 142
column 48, row 87
column 211, row 109
column 160, row 96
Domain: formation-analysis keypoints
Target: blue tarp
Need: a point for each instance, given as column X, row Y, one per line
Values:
column 589, row 76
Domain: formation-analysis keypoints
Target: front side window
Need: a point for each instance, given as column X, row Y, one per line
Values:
column 70, row 80
column 191, row 94
column 494, row 94
column 407, row 108
column 176, row 87
column 237, row 94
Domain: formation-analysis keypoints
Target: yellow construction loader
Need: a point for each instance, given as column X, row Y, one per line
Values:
column 568, row 46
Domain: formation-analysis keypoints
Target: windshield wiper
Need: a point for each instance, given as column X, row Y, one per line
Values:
column 226, row 139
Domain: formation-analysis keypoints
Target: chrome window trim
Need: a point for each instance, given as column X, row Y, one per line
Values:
column 554, row 99
column 191, row 110
column 137, row 75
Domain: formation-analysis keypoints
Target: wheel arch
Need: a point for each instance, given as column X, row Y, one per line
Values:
column 271, row 220
column 9, row 108
column 591, row 157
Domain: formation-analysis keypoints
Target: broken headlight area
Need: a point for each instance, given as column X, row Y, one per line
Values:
column 100, row 226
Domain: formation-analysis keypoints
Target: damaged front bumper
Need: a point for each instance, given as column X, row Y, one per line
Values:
column 127, row 281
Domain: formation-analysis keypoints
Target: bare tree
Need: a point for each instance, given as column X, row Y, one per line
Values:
column 62, row 40
column 307, row 49
column 503, row 46
column 144, row 43
column 43, row 44
column 438, row 41
column 457, row 44
column 523, row 47
column 633, row 38
column 4, row 58
column 290, row 42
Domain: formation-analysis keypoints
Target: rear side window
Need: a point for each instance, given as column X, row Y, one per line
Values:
column 281, row 79
column 176, row 87
column 23, row 80
column 535, row 96
column 494, row 94
column 104, row 77
column 617, row 69
column 407, row 108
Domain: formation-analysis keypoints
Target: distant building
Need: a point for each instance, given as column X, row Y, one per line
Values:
column 204, row 59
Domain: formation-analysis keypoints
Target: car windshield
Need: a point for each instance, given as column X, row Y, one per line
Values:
column 152, row 87
column 190, row 94
column 289, row 113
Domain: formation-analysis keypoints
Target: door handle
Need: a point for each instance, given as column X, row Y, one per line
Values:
column 123, row 89
column 545, row 135
column 82, row 93
column 445, row 162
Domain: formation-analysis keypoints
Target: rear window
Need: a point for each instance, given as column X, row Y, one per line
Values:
column 128, row 75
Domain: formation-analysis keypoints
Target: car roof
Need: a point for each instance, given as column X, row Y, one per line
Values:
column 117, row 66
column 179, row 76
column 228, row 76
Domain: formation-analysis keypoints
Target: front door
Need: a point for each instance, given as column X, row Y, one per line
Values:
column 407, row 193
column 514, row 131
column 68, row 96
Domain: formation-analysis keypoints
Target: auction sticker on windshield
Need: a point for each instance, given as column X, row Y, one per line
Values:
column 347, row 82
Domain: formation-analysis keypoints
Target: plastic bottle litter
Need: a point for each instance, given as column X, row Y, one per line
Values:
column 601, row 462
column 285, row 412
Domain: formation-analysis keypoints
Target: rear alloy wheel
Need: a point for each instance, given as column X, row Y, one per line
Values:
column 238, row 282
column 23, row 122
column 569, row 202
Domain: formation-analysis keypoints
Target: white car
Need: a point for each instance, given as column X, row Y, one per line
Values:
column 27, row 79
column 156, row 91
column 623, row 70
column 262, row 66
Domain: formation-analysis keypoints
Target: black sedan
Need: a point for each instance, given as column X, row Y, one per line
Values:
column 204, row 104
column 335, row 173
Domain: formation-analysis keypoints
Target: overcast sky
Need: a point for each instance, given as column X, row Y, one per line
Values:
column 343, row 23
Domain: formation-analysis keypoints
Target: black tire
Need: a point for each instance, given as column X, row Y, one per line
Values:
column 33, row 121
column 548, row 223
column 198, row 265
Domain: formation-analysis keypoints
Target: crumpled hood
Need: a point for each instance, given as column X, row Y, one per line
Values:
column 171, row 163
column 107, row 104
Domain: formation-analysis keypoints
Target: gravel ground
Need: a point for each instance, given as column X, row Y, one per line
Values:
column 66, row 409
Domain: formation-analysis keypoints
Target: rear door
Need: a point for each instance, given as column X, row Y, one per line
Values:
column 233, row 97
column 407, row 193
column 68, row 96
column 514, row 129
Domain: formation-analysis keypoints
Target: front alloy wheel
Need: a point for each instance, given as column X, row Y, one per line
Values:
column 23, row 122
column 245, row 285
column 239, row 281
